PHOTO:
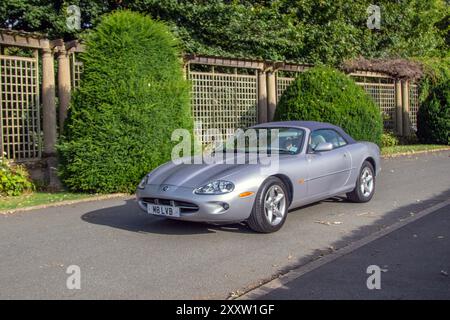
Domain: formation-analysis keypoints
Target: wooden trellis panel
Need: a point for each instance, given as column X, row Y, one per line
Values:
column 223, row 101
column 413, row 104
column 282, row 84
column 19, row 108
column 384, row 96
column 77, row 70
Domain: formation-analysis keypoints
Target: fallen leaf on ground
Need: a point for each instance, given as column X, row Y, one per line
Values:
column 444, row 273
column 365, row 213
column 328, row 223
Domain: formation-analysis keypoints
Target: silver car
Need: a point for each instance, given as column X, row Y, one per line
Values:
column 315, row 161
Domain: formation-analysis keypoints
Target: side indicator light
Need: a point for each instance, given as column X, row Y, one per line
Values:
column 245, row 194
column 301, row 181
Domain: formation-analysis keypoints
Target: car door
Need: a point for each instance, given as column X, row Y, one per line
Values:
column 328, row 171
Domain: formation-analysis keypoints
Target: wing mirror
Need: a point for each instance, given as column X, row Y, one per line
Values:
column 324, row 146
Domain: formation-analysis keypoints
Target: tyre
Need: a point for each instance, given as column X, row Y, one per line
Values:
column 365, row 184
column 270, row 208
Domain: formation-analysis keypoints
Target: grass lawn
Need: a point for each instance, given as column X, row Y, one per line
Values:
column 39, row 198
column 389, row 151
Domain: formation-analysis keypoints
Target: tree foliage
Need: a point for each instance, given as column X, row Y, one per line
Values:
column 132, row 97
column 327, row 95
column 326, row 31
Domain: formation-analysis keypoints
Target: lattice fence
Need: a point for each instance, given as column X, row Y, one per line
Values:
column 413, row 104
column 384, row 96
column 223, row 101
column 76, row 71
column 19, row 108
column 282, row 84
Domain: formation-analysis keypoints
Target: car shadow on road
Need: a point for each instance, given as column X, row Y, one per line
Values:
column 130, row 217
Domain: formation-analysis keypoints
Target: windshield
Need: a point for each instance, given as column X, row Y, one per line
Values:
column 265, row 140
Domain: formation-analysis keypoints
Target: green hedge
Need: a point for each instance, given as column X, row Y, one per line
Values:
column 132, row 96
column 327, row 95
column 433, row 117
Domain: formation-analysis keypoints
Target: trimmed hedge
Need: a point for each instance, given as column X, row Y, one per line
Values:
column 327, row 95
column 433, row 114
column 433, row 117
column 132, row 96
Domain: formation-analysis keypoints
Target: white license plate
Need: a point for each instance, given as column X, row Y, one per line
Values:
column 167, row 211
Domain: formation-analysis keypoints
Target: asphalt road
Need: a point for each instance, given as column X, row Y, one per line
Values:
column 125, row 254
column 414, row 263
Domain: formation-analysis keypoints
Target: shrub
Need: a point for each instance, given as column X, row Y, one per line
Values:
column 325, row 94
column 132, row 96
column 14, row 179
column 436, row 70
column 433, row 117
column 388, row 139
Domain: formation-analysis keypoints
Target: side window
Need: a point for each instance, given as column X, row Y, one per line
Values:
column 326, row 135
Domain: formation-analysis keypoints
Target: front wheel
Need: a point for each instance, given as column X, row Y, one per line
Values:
column 271, row 205
column 365, row 184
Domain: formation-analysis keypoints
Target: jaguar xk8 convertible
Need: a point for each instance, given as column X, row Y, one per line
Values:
column 315, row 161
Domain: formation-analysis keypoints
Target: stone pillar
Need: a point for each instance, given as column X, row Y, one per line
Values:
column 64, row 86
column 49, row 118
column 262, row 97
column 48, row 102
column 271, row 95
column 398, row 108
column 405, row 103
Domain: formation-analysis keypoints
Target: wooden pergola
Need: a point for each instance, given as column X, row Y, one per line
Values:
column 46, row 49
column 266, row 71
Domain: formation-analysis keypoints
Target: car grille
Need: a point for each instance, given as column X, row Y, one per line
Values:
column 185, row 207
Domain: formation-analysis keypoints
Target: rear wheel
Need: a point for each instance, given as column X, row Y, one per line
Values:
column 365, row 184
column 270, row 209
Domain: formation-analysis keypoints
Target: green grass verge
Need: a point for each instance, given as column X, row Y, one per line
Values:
column 39, row 198
column 390, row 151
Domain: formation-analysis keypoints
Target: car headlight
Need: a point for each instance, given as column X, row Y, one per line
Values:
column 215, row 187
column 143, row 182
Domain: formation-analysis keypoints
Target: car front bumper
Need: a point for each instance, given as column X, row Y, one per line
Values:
column 224, row 208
